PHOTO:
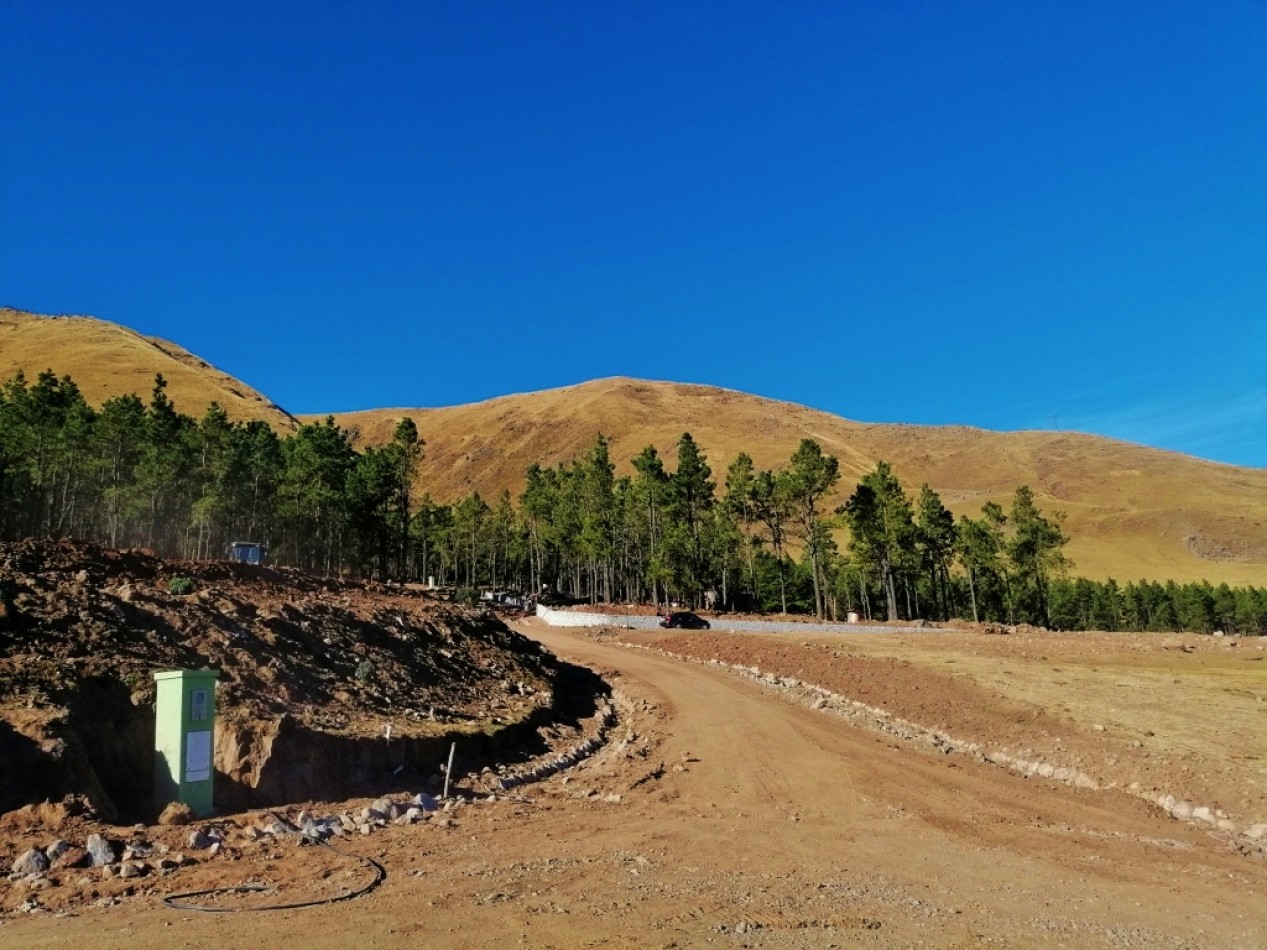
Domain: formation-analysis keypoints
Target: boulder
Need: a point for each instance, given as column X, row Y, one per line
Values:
column 103, row 852
column 71, row 858
column 176, row 813
column 33, row 861
column 425, row 802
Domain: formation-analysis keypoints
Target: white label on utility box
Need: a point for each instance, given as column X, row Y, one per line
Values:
column 197, row 756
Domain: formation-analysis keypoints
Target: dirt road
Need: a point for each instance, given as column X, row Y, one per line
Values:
column 728, row 815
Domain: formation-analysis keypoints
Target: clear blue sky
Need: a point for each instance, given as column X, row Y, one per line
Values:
column 1012, row 215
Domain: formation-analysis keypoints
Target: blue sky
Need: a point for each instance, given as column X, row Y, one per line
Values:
column 1011, row 215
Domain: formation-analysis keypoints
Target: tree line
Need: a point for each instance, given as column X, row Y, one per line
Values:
column 136, row 473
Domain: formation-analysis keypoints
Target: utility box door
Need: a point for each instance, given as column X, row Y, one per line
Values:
column 184, row 739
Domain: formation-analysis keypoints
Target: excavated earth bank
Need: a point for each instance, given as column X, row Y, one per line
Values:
column 312, row 673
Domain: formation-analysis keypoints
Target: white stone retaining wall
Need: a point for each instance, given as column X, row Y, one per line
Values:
column 575, row 618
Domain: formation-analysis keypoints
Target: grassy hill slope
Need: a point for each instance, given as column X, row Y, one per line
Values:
column 106, row 360
column 1133, row 512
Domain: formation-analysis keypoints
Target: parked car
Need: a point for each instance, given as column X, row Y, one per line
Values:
column 684, row 620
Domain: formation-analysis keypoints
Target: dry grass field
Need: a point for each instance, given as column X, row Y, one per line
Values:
column 106, row 360
column 1133, row 512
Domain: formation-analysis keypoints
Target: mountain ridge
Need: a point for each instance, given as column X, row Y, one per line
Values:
column 1133, row 511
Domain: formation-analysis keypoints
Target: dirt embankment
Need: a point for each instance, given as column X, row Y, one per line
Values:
column 312, row 671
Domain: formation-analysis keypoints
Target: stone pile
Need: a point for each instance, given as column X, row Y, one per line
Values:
column 38, row 868
column 379, row 814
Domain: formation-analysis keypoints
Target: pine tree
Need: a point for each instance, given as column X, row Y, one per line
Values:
column 811, row 476
column 935, row 540
column 772, row 507
column 882, row 529
column 1036, row 551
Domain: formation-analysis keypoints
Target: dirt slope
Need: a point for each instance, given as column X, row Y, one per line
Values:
column 728, row 815
column 311, row 670
column 106, row 359
column 1134, row 512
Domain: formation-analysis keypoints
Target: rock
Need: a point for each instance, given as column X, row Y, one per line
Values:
column 101, row 851
column 72, row 858
column 1201, row 813
column 1097, row 728
column 1181, row 810
column 381, row 808
column 130, row 869
column 176, row 813
column 425, row 802
column 135, row 850
column 1256, row 831
column 200, row 841
column 33, row 861
column 216, row 847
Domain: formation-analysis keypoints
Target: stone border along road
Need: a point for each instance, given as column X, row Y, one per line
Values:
column 1250, row 838
column 570, row 618
column 578, row 753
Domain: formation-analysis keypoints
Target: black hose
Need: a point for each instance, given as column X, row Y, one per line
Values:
column 176, row 901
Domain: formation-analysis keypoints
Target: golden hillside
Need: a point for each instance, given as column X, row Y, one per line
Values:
column 106, row 360
column 1133, row 512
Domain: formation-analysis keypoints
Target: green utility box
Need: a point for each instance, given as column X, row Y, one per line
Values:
column 184, row 738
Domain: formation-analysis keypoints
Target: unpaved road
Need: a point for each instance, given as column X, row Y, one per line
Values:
column 770, row 825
